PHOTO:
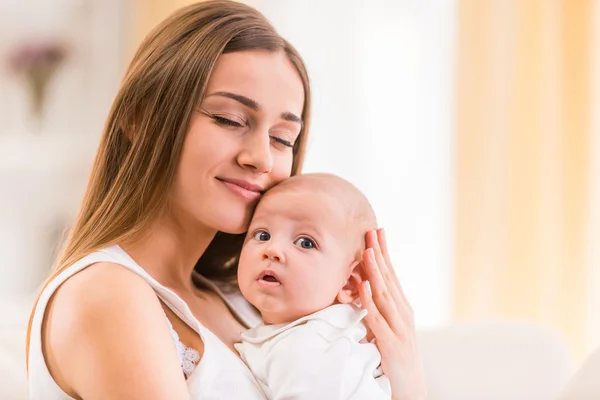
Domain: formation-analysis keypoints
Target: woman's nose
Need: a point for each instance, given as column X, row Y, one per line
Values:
column 256, row 151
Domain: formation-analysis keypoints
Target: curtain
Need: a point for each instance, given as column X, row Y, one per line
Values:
column 524, row 158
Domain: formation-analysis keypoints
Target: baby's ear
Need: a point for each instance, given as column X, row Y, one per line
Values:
column 349, row 292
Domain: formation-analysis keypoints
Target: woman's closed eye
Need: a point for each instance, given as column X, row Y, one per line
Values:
column 225, row 119
column 282, row 141
column 220, row 120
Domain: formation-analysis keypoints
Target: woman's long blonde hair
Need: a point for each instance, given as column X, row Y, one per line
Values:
column 144, row 133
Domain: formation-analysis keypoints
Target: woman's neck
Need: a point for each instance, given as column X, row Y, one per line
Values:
column 170, row 250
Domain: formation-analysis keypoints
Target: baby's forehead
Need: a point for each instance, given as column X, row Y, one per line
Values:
column 324, row 187
column 301, row 205
column 333, row 207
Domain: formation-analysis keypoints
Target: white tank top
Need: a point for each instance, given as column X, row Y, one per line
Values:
column 220, row 374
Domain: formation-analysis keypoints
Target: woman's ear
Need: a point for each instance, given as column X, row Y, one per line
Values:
column 349, row 292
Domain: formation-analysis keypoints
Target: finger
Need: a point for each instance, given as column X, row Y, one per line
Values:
column 381, row 294
column 383, row 246
column 370, row 335
column 363, row 293
column 364, row 286
column 389, row 272
column 389, row 277
column 371, row 239
column 383, row 262
column 377, row 326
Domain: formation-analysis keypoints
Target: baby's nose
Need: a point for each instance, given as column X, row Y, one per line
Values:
column 271, row 253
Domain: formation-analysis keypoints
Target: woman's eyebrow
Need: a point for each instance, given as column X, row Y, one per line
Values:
column 288, row 116
column 248, row 102
column 253, row 104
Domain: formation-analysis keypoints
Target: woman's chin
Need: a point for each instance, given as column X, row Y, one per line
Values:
column 238, row 231
column 226, row 216
column 234, row 227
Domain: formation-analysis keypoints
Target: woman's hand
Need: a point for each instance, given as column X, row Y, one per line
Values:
column 390, row 320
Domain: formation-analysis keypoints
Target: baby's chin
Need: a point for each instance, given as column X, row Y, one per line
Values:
column 273, row 315
column 273, row 312
column 277, row 319
column 284, row 316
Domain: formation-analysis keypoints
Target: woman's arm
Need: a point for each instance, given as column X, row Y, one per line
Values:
column 390, row 318
column 105, row 336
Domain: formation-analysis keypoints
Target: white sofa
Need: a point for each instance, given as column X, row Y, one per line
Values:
column 585, row 384
column 13, row 380
column 14, row 315
column 492, row 361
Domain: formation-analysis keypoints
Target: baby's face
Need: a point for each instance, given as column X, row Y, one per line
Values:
column 296, row 257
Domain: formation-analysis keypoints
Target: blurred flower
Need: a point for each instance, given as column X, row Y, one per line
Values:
column 37, row 61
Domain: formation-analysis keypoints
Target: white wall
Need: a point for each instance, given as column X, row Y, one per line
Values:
column 81, row 93
column 381, row 72
column 382, row 78
column 44, row 166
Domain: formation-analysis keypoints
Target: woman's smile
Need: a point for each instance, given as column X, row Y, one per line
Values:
column 246, row 190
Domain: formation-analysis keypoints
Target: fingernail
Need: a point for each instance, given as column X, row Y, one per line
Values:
column 368, row 287
column 371, row 255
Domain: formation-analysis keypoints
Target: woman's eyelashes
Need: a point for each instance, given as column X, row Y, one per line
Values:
column 284, row 142
column 229, row 122
column 226, row 121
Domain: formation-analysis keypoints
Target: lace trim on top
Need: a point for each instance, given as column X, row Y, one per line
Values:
column 188, row 357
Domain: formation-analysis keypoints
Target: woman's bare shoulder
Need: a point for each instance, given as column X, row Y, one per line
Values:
column 102, row 290
column 105, row 329
column 104, row 283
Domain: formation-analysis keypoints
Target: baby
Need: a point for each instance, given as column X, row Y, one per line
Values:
column 300, row 267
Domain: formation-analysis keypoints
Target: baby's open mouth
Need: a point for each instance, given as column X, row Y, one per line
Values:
column 269, row 278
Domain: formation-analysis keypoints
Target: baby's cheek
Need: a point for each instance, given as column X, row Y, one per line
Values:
column 301, row 287
column 305, row 291
column 244, row 271
column 317, row 294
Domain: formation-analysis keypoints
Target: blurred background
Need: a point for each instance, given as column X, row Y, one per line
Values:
column 472, row 126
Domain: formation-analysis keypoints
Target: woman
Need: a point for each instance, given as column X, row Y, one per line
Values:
column 214, row 110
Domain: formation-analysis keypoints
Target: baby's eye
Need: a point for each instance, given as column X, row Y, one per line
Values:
column 305, row 243
column 262, row 236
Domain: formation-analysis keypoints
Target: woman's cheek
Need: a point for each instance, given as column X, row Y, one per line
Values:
column 283, row 167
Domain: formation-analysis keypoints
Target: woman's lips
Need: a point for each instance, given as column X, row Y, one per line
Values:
column 245, row 190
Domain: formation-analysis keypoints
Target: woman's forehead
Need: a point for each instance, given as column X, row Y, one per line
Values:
column 268, row 78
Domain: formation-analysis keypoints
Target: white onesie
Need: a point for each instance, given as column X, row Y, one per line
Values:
column 324, row 355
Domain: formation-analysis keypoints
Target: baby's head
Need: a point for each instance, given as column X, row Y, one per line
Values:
column 304, row 246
